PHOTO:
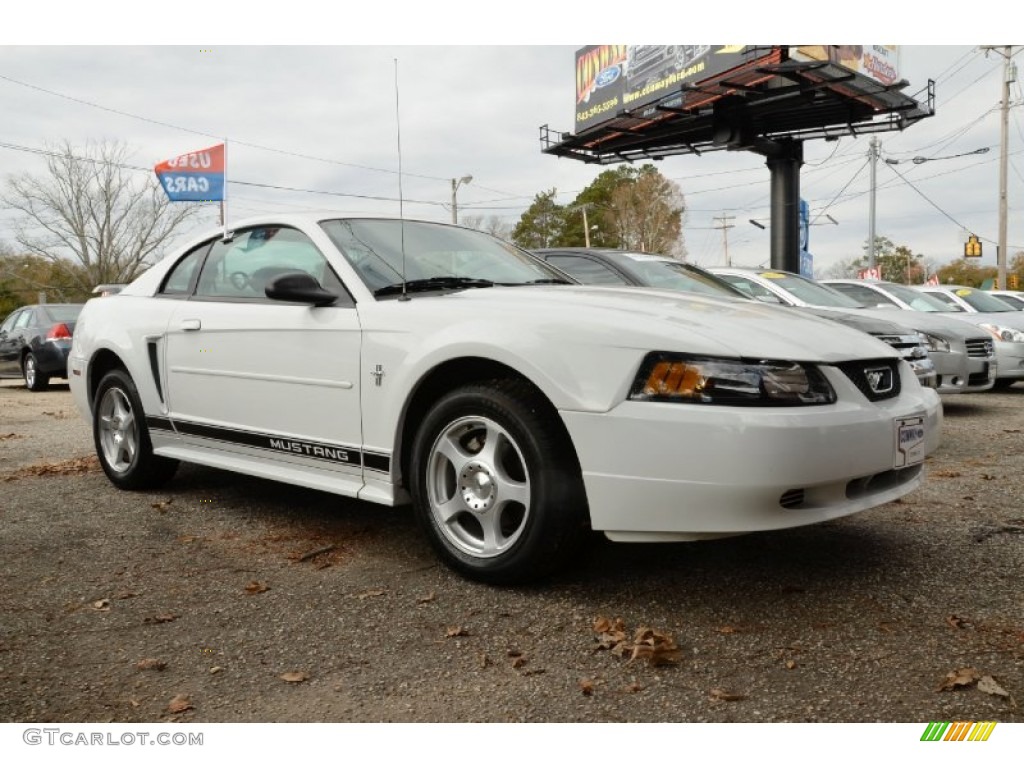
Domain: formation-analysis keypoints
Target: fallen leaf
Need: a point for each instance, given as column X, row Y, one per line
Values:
column 161, row 506
column 956, row 622
column 427, row 598
column 727, row 630
column 126, row 595
column 587, row 687
column 155, row 664
column 180, row 703
column 790, row 664
column 372, row 593
column 944, row 473
column 161, row 618
column 720, row 694
column 256, row 587
column 294, row 677
column 988, row 477
column 456, row 632
column 134, row 702
column 101, row 605
column 958, row 679
column 657, row 648
column 215, row 670
column 11, row 436
column 633, row 688
column 987, row 684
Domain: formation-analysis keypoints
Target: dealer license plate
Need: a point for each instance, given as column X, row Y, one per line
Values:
column 909, row 441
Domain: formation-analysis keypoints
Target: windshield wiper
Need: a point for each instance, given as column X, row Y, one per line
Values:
column 433, row 284
column 545, row 281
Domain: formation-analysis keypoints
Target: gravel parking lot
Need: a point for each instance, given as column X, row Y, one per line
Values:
column 225, row 599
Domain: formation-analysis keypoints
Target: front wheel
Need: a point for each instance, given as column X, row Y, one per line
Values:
column 495, row 483
column 122, row 439
column 34, row 380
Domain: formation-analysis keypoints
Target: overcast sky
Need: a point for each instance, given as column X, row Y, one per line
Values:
column 477, row 110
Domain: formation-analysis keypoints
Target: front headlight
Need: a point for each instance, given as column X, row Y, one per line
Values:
column 1003, row 333
column 670, row 377
column 933, row 343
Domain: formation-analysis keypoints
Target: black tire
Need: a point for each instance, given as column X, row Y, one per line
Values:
column 35, row 381
column 122, row 438
column 515, row 478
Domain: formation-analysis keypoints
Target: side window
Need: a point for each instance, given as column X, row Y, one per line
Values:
column 24, row 319
column 587, row 271
column 243, row 267
column 865, row 295
column 944, row 298
column 179, row 280
column 752, row 289
column 9, row 322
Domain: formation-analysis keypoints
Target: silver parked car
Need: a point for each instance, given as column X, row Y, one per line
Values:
column 993, row 314
column 604, row 266
column 960, row 367
column 974, row 347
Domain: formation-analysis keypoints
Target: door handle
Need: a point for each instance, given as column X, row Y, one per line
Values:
column 191, row 325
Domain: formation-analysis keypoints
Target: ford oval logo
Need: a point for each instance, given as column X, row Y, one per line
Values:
column 608, row 76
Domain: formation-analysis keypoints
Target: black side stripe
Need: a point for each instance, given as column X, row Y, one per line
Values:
column 338, row 454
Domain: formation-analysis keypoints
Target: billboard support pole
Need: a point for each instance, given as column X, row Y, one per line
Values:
column 784, row 161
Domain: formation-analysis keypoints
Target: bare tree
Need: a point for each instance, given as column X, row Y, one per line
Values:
column 492, row 225
column 92, row 216
column 647, row 214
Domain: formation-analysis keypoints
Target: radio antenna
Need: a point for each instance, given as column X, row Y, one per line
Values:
column 401, row 197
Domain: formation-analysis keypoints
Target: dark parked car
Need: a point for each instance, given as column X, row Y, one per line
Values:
column 35, row 341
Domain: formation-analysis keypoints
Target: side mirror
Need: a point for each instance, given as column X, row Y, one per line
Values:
column 300, row 287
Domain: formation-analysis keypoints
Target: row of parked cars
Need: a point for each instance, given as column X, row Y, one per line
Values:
column 957, row 339
column 402, row 361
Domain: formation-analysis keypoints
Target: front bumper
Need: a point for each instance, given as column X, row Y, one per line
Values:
column 1010, row 359
column 674, row 472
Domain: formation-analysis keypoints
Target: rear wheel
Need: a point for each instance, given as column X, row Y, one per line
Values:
column 495, row 483
column 122, row 439
column 34, row 380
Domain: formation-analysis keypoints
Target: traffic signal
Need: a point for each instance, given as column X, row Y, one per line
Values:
column 972, row 248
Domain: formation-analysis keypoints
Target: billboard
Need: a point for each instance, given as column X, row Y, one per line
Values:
column 612, row 78
column 879, row 62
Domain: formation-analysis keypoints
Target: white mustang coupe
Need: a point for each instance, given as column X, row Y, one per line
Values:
column 395, row 360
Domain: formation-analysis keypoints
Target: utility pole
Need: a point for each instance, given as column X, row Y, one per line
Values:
column 725, row 226
column 873, row 158
column 1009, row 76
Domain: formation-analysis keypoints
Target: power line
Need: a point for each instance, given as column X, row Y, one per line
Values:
column 51, row 153
column 211, row 135
column 937, row 207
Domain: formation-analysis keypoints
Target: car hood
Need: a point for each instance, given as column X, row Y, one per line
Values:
column 929, row 322
column 862, row 322
column 645, row 319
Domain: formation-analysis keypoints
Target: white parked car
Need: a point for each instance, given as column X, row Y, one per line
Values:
column 394, row 360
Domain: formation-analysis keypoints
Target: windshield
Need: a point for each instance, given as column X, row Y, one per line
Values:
column 983, row 302
column 922, row 302
column 678, row 276
column 387, row 251
column 809, row 291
